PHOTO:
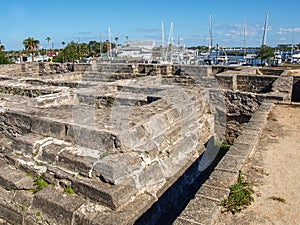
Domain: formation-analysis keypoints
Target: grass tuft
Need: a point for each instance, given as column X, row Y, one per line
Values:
column 104, row 154
column 69, row 191
column 240, row 196
column 39, row 184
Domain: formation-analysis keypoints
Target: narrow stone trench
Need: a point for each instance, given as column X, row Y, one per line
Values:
column 296, row 91
column 170, row 205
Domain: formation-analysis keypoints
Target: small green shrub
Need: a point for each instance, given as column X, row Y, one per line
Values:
column 23, row 207
column 240, row 196
column 104, row 154
column 223, row 146
column 39, row 184
column 69, row 191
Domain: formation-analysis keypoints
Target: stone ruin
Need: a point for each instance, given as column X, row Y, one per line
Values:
column 101, row 143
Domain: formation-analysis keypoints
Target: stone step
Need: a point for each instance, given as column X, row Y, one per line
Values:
column 120, row 98
column 14, row 177
column 56, row 152
column 53, row 205
column 56, row 206
column 18, row 123
column 101, row 77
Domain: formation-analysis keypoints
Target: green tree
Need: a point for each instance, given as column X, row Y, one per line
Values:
column 3, row 56
column 2, row 48
column 4, row 59
column 265, row 53
column 71, row 52
column 31, row 45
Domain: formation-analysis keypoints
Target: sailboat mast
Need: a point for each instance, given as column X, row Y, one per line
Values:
column 245, row 38
column 210, row 33
column 163, row 39
column 265, row 29
column 293, row 41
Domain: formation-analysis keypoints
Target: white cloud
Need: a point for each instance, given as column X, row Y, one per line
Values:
column 285, row 30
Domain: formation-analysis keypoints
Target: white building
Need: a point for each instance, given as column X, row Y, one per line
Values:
column 137, row 49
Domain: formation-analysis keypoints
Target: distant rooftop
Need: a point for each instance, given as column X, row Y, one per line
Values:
column 141, row 44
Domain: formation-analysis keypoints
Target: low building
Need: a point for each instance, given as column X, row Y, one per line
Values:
column 137, row 49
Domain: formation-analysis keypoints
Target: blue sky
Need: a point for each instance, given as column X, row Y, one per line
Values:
column 66, row 20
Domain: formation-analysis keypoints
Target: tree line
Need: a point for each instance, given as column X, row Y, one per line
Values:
column 69, row 53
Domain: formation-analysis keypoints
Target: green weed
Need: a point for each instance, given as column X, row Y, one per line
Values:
column 240, row 196
column 69, row 191
column 39, row 184
column 104, row 154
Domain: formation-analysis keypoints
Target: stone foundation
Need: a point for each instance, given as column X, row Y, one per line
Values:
column 100, row 143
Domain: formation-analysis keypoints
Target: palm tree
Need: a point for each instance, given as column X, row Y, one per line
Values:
column 63, row 44
column 31, row 45
column 48, row 39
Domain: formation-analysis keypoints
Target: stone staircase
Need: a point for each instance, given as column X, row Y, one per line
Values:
column 116, row 151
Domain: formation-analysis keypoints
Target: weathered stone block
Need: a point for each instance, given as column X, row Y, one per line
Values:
column 247, row 139
column 240, row 150
column 12, row 179
column 116, row 168
column 23, row 198
column 56, row 205
column 40, row 126
column 156, row 125
column 86, row 213
column 222, row 179
column 151, row 174
column 106, row 194
column 128, row 215
column 10, row 212
column 150, row 148
column 213, row 192
column 199, row 211
column 231, row 163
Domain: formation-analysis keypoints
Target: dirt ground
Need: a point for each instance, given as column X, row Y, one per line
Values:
column 274, row 173
column 295, row 72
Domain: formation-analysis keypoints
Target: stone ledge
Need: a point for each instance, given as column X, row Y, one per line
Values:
column 199, row 211
column 222, row 178
column 12, row 179
column 230, row 163
column 213, row 193
column 56, row 205
column 244, row 138
column 11, row 212
column 108, row 195
column 240, row 150
column 184, row 221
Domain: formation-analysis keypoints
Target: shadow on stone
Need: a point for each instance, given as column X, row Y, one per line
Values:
column 170, row 205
